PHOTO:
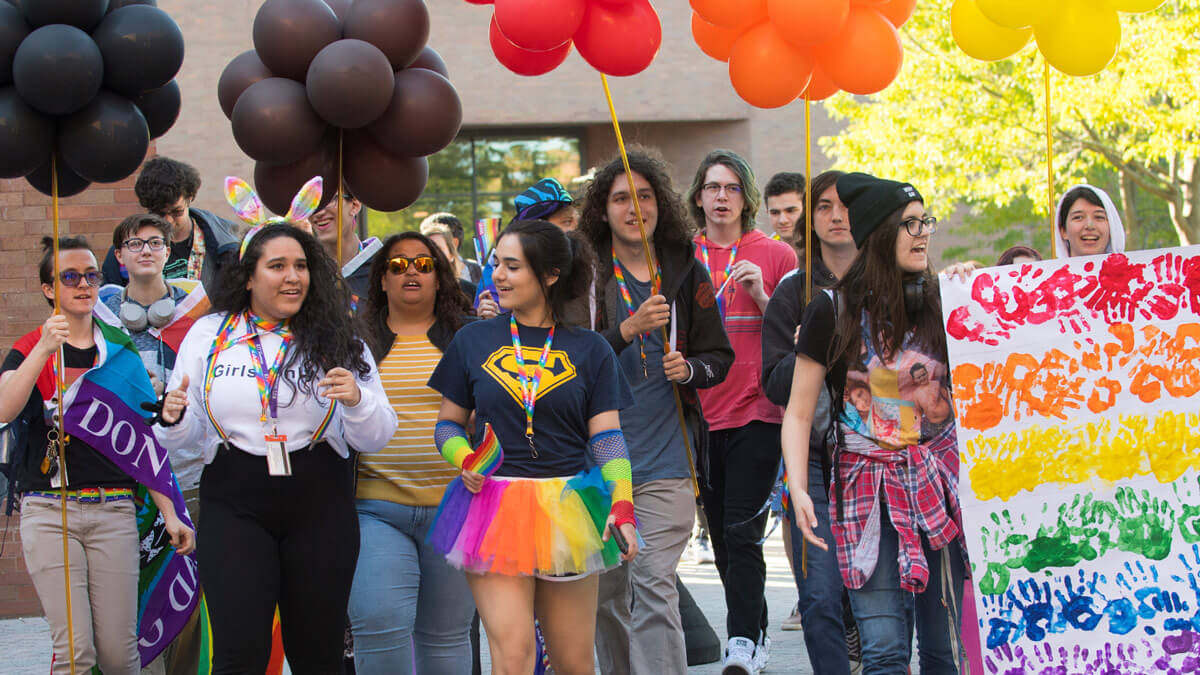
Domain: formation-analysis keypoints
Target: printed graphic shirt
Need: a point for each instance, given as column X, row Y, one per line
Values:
column 582, row 379
column 897, row 442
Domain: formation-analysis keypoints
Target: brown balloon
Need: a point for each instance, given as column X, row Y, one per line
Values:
column 339, row 7
column 273, row 122
column 289, row 33
column 379, row 179
column 277, row 184
column 400, row 28
column 431, row 60
column 244, row 70
column 424, row 115
column 350, row 83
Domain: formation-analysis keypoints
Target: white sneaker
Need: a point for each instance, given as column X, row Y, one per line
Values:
column 703, row 553
column 762, row 653
column 739, row 657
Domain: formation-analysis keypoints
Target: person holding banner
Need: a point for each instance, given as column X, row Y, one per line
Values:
column 896, row 524
column 527, row 520
column 632, row 298
column 100, row 481
column 275, row 387
column 406, row 599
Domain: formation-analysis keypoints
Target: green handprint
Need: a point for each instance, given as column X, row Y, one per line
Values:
column 1002, row 540
column 1145, row 524
column 1189, row 509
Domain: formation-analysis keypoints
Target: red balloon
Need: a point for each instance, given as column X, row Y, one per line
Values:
column 523, row 61
column 482, row 2
column 714, row 40
column 898, row 11
column 820, row 87
column 808, row 22
column 766, row 71
column 619, row 40
column 866, row 56
column 736, row 14
column 379, row 179
column 539, row 25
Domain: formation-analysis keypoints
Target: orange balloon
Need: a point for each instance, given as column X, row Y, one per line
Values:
column 820, row 87
column 807, row 22
column 712, row 39
column 765, row 70
column 735, row 14
column 898, row 11
column 866, row 56
column 869, row 3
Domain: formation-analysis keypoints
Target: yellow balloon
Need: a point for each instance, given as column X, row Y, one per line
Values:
column 1016, row 13
column 1081, row 38
column 982, row 39
column 1136, row 6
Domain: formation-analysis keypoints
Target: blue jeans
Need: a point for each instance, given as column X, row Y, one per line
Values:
column 405, row 597
column 821, row 591
column 886, row 614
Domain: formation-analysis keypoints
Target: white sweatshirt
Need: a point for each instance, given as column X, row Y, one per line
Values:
column 236, row 404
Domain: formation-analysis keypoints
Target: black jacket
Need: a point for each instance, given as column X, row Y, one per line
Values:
column 702, row 339
column 439, row 334
column 220, row 245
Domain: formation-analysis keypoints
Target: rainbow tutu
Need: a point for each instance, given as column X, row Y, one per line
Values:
column 527, row 526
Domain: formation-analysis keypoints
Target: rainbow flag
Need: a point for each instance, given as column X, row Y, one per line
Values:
column 488, row 456
column 487, row 231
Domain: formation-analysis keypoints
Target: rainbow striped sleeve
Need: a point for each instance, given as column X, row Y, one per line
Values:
column 451, row 440
column 611, row 454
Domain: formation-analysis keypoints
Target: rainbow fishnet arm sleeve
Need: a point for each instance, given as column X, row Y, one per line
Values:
column 612, row 456
column 451, row 440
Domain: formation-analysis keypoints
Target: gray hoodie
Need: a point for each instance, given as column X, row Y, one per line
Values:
column 1116, row 230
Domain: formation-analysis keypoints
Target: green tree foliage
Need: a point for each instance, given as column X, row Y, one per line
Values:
column 973, row 134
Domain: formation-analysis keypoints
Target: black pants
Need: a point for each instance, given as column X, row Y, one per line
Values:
column 742, row 467
column 287, row 541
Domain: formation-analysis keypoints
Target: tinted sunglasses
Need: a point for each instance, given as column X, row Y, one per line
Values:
column 72, row 279
column 399, row 264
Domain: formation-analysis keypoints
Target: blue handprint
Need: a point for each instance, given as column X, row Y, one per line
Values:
column 1077, row 602
column 1037, row 610
column 1001, row 630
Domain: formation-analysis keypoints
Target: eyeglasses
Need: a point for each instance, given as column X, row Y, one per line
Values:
column 713, row 189
column 399, row 264
column 71, row 278
column 134, row 245
column 916, row 226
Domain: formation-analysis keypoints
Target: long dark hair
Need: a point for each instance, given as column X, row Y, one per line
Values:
column 449, row 304
column 549, row 251
column 673, row 228
column 324, row 336
column 874, row 285
column 824, row 181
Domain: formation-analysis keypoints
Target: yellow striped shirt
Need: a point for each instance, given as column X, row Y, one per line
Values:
column 409, row 470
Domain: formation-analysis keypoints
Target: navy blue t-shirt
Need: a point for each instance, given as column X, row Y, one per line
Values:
column 582, row 379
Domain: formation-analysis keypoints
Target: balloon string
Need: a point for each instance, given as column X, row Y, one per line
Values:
column 1050, row 168
column 59, row 389
column 341, row 134
column 808, row 226
column 654, row 280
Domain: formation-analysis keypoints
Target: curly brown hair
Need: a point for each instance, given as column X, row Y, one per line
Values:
column 674, row 228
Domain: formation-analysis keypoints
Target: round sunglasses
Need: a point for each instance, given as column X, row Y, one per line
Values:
column 399, row 264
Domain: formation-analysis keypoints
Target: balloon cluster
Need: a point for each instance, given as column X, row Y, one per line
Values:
column 355, row 72
column 533, row 37
column 781, row 50
column 1078, row 37
column 88, row 82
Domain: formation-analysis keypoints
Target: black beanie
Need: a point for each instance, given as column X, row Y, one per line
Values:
column 870, row 200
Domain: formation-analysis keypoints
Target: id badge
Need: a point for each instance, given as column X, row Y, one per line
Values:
column 278, row 461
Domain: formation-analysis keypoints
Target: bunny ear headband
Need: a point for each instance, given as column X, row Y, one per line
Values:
column 249, row 207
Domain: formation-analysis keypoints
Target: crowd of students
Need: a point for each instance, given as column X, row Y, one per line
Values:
column 371, row 445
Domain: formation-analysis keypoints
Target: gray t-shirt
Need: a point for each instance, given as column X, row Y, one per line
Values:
column 656, row 448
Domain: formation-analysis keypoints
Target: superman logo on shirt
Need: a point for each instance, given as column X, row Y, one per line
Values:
column 501, row 365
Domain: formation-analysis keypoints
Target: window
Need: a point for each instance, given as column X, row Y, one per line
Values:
column 478, row 175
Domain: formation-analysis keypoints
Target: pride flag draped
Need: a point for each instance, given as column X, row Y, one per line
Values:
column 487, row 231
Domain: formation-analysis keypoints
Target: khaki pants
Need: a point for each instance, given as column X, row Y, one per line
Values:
column 638, row 628
column 103, row 546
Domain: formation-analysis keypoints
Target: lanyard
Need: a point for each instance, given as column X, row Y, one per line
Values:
column 529, row 382
column 266, row 381
column 267, row 378
column 619, row 273
column 725, row 277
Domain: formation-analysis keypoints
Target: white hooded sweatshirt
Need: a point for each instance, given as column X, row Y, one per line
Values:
column 1116, row 229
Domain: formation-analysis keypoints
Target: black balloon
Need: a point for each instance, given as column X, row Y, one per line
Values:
column 83, row 14
column 142, row 48
column 26, row 136
column 273, row 122
column 277, row 184
column 400, row 28
column 58, row 69
column 118, row 4
column 244, row 70
column 349, row 83
column 431, row 60
column 160, row 107
column 379, row 179
column 106, row 141
column 69, row 182
column 423, row 117
column 289, row 33
column 13, row 30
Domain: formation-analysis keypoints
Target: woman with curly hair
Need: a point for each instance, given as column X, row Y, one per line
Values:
column 633, row 308
column 280, row 388
column 405, row 597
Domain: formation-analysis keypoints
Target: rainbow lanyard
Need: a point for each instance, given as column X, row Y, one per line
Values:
column 619, row 273
column 728, row 270
column 266, row 377
column 529, row 384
